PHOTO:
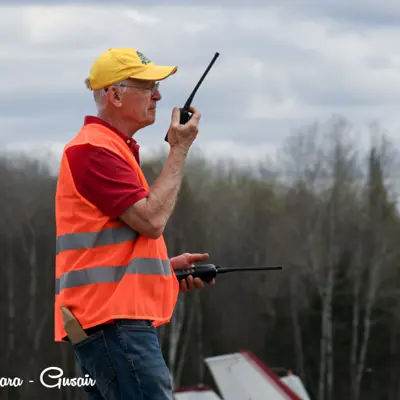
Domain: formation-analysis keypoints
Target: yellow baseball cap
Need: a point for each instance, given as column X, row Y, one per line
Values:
column 117, row 64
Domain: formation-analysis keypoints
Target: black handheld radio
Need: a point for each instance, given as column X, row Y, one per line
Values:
column 207, row 272
column 185, row 114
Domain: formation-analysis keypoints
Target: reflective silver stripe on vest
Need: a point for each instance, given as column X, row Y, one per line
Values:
column 90, row 240
column 88, row 276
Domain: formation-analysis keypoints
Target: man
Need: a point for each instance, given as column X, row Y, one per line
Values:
column 113, row 274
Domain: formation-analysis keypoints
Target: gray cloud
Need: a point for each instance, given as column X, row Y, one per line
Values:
column 281, row 65
column 369, row 12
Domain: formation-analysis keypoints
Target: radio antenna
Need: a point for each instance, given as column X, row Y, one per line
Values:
column 190, row 99
column 184, row 112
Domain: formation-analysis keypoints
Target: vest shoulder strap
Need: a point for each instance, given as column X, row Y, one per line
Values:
column 101, row 136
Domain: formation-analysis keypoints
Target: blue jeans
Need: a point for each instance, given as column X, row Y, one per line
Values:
column 126, row 361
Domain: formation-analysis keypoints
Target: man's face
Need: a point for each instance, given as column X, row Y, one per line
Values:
column 138, row 102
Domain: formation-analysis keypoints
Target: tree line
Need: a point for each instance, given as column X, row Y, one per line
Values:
column 325, row 209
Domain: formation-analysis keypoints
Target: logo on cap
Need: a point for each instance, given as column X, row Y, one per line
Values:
column 143, row 58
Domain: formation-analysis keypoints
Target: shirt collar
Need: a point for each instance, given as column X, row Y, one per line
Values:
column 91, row 119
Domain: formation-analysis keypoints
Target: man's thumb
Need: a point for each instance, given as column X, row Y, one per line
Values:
column 199, row 256
column 175, row 116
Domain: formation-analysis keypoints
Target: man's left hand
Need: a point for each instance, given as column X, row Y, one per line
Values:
column 185, row 261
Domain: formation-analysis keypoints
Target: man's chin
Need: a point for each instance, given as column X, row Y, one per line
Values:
column 150, row 120
column 151, row 116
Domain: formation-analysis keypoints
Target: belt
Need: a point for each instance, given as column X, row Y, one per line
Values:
column 75, row 332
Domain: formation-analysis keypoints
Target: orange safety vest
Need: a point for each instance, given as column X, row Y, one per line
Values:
column 104, row 269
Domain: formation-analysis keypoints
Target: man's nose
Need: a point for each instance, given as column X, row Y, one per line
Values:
column 156, row 95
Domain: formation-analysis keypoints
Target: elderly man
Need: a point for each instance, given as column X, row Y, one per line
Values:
column 113, row 273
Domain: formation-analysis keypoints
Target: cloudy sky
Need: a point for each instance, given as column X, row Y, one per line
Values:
column 282, row 64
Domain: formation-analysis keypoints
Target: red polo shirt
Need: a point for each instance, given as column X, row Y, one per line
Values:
column 102, row 177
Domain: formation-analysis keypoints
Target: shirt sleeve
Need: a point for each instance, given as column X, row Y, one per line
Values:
column 104, row 179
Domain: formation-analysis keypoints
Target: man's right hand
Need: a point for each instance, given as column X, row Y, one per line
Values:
column 149, row 215
column 182, row 136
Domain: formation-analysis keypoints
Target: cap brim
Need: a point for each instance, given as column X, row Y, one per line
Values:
column 156, row 72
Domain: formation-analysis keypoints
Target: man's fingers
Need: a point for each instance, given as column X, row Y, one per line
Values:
column 190, row 284
column 183, row 285
column 198, row 283
column 196, row 114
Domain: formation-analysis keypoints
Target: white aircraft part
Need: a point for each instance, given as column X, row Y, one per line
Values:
column 295, row 383
column 239, row 377
column 196, row 395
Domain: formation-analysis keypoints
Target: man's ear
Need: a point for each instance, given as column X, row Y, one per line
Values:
column 114, row 97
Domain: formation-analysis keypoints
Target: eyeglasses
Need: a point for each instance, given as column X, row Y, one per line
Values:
column 152, row 89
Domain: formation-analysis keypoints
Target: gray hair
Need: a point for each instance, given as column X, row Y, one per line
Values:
column 99, row 95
